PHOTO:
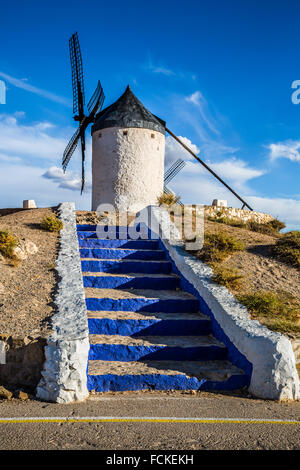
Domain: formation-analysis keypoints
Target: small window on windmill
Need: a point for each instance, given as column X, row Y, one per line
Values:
column 99, row 135
column 125, row 132
column 152, row 136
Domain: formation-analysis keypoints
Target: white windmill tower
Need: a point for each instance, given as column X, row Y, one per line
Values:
column 128, row 146
column 128, row 155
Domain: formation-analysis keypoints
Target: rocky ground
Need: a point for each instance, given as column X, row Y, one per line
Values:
column 256, row 263
column 26, row 288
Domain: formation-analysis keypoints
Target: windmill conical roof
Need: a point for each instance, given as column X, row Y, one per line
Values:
column 128, row 111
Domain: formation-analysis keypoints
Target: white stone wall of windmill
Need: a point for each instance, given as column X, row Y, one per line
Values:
column 134, row 179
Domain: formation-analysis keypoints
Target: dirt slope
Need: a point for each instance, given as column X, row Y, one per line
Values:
column 25, row 300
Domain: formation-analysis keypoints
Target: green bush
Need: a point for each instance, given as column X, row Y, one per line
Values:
column 218, row 246
column 226, row 220
column 228, row 277
column 277, row 224
column 7, row 244
column 272, row 227
column 280, row 310
column 168, row 199
column 52, row 224
column 287, row 248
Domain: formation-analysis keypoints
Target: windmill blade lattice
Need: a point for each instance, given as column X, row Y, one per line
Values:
column 97, row 99
column 174, row 170
column 70, row 149
column 77, row 73
column 95, row 104
column 171, row 173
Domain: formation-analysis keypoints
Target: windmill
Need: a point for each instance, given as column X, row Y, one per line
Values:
column 130, row 129
column 94, row 105
column 171, row 173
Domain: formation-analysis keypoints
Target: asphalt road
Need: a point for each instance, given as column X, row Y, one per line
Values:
column 154, row 435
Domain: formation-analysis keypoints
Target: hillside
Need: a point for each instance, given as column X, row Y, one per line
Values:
column 260, row 272
column 26, row 288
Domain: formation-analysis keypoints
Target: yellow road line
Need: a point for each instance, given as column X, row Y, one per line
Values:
column 110, row 419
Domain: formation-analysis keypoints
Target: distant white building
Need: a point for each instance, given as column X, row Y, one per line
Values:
column 128, row 155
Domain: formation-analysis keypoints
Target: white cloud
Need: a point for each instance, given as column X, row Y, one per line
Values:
column 19, row 182
column 288, row 149
column 31, row 140
column 237, row 172
column 198, row 100
column 195, row 98
column 25, row 153
column 66, row 180
column 159, row 69
column 233, row 170
column 286, row 209
column 174, row 150
column 24, row 85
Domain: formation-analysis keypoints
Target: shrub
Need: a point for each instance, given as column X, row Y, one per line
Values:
column 269, row 228
column 7, row 244
column 277, row 224
column 218, row 246
column 168, row 199
column 228, row 277
column 226, row 220
column 52, row 224
column 281, row 311
column 272, row 227
column 287, row 248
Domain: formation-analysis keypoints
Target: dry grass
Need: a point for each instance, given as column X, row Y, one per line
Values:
column 7, row 244
column 218, row 246
column 228, row 277
column 269, row 228
column 257, row 268
column 280, row 311
column 287, row 248
column 52, row 224
column 26, row 300
column 168, row 199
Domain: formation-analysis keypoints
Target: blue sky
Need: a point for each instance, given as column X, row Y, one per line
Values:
column 219, row 72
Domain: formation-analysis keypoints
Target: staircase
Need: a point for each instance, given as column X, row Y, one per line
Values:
column 145, row 332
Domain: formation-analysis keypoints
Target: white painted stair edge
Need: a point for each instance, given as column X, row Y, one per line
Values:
column 64, row 377
column 274, row 374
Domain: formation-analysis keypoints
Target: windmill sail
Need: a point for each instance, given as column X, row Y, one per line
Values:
column 70, row 148
column 95, row 104
column 171, row 173
column 174, row 170
column 97, row 99
column 77, row 74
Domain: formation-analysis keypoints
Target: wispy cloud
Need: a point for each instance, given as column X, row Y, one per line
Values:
column 159, row 69
column 30, row 141
column 65, row 180
column 288, row 149
column 24, row 85
column 174, row 150
column 198, row 100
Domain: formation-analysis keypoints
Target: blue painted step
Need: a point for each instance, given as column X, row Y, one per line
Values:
column 157, row 375
column 180, row 348
column 159, row 324
column 143, row 304
column 131, row 244
column 125, row 266
column 131, row 282
column 145, row 339
column 115, row 233
column 116, row 253
column 121, row 383
column 111, row 228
